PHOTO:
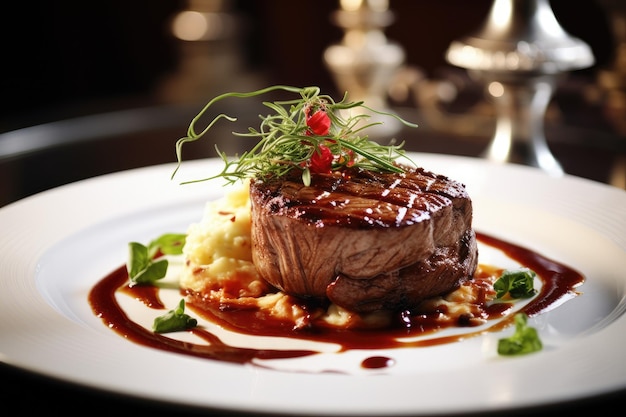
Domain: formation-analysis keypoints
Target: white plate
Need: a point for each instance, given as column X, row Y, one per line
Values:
column 56, row 245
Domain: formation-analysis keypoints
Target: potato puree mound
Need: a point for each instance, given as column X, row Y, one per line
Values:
column 218, row 266
column 218, row 259
column 217, row 250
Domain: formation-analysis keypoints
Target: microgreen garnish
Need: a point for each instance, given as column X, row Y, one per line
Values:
column 308, row 133
column 144, row 265
column 174, row 320
column 517, row 283
column 524, row 340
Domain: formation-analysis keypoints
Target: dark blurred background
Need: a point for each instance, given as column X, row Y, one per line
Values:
column 64, row 59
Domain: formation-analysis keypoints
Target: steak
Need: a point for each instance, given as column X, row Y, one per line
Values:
column 363, row 240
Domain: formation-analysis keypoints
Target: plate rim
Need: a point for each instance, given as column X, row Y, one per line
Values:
column 54, row 200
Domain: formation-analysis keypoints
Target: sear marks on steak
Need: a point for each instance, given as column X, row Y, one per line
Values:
column 364, row 240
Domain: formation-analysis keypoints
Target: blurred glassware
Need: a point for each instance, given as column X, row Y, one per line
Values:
column 365, row 61
column 519, row 54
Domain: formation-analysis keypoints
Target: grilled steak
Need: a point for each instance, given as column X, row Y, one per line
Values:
column 364, row 240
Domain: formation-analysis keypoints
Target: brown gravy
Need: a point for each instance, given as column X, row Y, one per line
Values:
column 559, row 283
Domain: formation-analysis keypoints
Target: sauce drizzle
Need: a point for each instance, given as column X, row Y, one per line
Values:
column 559, row 283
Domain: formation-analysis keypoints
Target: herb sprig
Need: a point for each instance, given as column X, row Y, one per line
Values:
column 145, row 264
column 174, row 320
column 524, row 340
column 309, row 133
column 516, row 283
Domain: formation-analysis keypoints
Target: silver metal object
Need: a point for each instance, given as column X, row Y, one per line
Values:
column 519, row 54
column 365, row 61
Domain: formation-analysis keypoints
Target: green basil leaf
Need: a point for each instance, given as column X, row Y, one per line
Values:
column 153, row 272
column 138, row 259
column 518, row 283
column 174, row 321
column 168, row 244
column 525, row 339
column 142, row 265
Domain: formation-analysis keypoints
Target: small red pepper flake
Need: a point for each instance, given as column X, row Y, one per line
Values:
column 228, row 213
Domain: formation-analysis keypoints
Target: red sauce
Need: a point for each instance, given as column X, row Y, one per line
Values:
column 377, row 362
column 559, row 283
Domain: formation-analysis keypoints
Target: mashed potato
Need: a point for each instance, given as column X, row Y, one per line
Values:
column 218, row 260
column 218, row 249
